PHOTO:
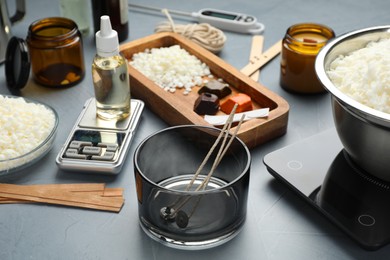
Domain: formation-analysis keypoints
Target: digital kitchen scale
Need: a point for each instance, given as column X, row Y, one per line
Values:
column 321, row 172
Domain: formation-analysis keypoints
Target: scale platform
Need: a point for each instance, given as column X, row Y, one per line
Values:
column 321, row 172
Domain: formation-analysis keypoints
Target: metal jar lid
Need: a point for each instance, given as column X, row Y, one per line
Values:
column 17, row 64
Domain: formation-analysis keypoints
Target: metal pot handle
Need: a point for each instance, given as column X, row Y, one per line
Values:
column 20, row 11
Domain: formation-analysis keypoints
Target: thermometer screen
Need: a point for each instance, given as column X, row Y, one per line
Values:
column 220, row 15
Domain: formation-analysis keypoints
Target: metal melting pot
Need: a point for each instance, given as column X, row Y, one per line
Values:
column 363, row 131
column 6, row 22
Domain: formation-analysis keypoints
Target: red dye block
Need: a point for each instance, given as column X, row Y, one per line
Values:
column 244, row 103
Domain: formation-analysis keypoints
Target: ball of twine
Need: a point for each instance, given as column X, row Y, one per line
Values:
column 203, row 34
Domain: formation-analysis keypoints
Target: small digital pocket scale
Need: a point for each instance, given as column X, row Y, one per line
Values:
column 96, row 145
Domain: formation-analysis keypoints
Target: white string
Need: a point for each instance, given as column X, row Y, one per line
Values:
column 203, row 34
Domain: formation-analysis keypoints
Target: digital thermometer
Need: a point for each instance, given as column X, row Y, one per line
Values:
column 224, row 20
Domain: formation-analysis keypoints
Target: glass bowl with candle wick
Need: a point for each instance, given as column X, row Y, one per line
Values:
column 182, row 204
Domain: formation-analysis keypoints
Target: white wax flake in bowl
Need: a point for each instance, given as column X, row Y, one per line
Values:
column 171, row 68
column 364, row 75
column 24, row 126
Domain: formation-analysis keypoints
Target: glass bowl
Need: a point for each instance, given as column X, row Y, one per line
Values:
column 11, row 165
column 173, row 212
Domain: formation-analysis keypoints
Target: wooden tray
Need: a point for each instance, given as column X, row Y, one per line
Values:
column 177, row 108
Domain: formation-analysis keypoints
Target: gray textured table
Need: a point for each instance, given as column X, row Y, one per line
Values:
column 279, row 224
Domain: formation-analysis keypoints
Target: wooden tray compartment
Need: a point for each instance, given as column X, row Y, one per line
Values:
column 177, row 108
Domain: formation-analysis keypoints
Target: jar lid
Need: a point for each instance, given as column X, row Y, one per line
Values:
column 17, row 63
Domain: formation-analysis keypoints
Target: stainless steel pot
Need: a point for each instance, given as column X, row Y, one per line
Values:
column 363, row 131
column 6, row 22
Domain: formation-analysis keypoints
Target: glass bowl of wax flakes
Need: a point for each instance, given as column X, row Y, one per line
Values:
column 28, row 129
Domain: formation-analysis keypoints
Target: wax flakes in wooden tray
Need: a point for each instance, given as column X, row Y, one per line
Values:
column 177, row 108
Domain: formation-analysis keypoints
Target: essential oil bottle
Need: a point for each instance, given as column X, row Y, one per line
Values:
column 110, row 76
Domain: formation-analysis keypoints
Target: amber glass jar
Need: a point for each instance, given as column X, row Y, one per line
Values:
column 301, row 45
column 56, row 52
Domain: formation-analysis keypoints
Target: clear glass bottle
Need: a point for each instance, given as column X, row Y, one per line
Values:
column 78, row 11
column 56, row 52
column 110, row 75
column 300, row 47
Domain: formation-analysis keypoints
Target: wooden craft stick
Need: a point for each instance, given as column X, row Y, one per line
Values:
column 60, row 187
column 90, row 202
column 268, row 55
column 58, row 190
column 113, row 192
column 108, row 192
column 68, row 196
column 22, row 199
column 11, row 201
column 255, row 54
column 95, row 196
column 63, row 202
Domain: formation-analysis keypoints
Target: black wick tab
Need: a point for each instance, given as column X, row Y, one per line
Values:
column 181, row 219
column 167, row 213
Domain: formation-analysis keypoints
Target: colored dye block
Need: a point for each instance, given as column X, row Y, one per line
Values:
column 243, row 101
column 206, row 104
column 217, row 88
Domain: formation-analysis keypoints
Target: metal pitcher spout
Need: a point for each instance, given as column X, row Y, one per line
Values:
column 6, row 22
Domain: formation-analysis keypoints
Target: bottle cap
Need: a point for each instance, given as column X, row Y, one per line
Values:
column 107, row 43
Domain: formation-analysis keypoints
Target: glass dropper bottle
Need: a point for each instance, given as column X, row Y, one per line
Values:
column 110, row 75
